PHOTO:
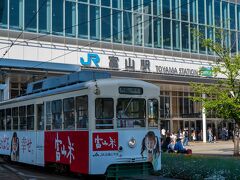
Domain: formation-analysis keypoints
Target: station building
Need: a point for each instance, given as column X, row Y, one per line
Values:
column 152, row 40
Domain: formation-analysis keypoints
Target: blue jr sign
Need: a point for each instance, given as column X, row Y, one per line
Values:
column 92, row 57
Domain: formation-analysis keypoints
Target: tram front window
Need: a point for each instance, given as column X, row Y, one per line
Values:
column 104, row 113
column 131, row 113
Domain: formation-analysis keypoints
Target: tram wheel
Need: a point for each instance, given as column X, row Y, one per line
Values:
column 61, row 168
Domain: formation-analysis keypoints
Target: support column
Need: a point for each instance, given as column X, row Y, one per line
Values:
column 6, row 91
column 2, row 87
column 216, row 128
column 204, row 121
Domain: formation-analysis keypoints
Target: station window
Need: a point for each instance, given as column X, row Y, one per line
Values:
column 106, row 24
column 16, row 14
column 57, row 16
column 105, row 3
column 70, row 18
column 17, row 89
column 117, row 26
column 104, row 113
column 131, row 113
column 3, row 13
column 22, row 118
column 8, row 119
column 15, row 118
column 82, row 20
column 69, row 115
column 30, row 117
column 44, row 16
column 30, row 18
column 40, row 117
column 2, row 119
column 94, row 22
column 48, row 116
column 82, row 111
column 153, row 113
column 57, row 114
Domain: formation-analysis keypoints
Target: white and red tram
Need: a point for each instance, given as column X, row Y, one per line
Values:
column 87, row 121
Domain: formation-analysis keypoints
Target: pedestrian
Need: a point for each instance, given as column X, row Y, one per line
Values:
column 210, row 135
column 193, row 135
column 185, row 139
column 163, row 133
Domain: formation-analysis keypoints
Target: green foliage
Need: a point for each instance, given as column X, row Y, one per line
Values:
column 224, row 96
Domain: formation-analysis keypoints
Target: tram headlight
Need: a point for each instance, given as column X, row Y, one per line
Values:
column 132, row 143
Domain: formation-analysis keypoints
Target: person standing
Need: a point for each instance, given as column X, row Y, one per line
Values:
column 185, row 138
column 163, row 133
column 210, row 135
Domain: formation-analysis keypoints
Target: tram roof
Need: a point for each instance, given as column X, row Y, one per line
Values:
column 111, row 82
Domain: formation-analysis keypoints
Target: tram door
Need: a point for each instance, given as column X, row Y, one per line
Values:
column 40, row 134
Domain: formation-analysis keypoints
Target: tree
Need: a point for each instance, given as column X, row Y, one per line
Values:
column 223, row 97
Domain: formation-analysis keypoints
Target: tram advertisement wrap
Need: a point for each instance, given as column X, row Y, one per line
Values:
column 125, row 146
column 151, row 149
column 68, row 147
column 105, row 141
column 22, row 147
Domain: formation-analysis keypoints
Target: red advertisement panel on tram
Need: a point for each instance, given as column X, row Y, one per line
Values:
column 107, row 141
column 68, row 147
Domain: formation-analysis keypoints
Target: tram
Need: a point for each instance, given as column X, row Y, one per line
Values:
column 87, row 122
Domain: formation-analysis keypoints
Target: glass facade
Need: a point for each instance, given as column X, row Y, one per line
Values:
column 167, row 24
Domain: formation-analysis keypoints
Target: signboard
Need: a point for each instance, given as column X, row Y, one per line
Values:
column 68, row 147
column 105, row 141
column 143, row 65
column 206, row 71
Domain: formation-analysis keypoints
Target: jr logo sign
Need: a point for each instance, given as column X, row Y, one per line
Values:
column 92, row 57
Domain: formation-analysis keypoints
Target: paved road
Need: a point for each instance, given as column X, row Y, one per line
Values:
column 219, row 148
column 18, row 171
column 6, row 174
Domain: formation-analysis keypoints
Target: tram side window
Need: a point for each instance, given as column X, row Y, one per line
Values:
column 40, row 117
column 22, row 118
column 57, row 114
column 30, row 117
column 2, row 119
column 68, row 112
column 104, row 113
column 82, row 111
column 131, row 113
column 48, row 116
column 15, row 118
column 153, row 113
column 8, row 119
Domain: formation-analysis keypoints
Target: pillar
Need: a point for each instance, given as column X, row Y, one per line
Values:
column 6, row 91
column 204, row 121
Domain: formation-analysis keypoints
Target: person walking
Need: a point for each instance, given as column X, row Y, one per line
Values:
column 210, row 135
column 185, row 140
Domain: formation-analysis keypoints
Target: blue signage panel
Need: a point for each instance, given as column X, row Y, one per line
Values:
column 92, row 57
